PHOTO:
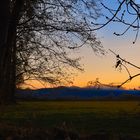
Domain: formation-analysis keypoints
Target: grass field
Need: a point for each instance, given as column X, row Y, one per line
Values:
column 121, row 117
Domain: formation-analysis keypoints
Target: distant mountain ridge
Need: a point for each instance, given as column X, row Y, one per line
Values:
column 76, row 93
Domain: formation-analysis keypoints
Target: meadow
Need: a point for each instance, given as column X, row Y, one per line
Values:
column 85, row 117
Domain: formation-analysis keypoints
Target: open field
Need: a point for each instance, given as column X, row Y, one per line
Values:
column 121, row 117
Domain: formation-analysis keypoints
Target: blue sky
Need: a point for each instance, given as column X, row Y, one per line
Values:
column 103, row 67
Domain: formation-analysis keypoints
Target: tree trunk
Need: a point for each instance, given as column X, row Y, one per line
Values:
column 8, row 25
column 4, row 17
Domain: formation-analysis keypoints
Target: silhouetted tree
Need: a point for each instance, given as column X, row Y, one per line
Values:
column 99, row 85
column 9, row 15
column 37, row 37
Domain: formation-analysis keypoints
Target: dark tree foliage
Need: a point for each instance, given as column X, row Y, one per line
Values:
column 38, row 37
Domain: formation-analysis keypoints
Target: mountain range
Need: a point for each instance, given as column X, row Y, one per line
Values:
column 76, row 93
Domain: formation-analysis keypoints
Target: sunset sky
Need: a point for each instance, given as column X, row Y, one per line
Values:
column 103, row 67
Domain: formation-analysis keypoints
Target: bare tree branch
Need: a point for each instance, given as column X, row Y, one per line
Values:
column 125, row 11
column 122, row 62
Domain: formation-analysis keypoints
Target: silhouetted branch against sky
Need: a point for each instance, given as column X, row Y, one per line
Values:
column 126, row 14
column 123, row 12
column 48, row 32
column 121, row 62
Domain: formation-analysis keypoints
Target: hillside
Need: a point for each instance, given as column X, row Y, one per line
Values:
column 76, row 93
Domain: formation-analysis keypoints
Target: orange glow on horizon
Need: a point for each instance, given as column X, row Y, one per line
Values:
column 34, row 84
column 103, row 67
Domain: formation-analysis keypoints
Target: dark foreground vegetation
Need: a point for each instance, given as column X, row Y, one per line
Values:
column 71, row 120
column 58, row 133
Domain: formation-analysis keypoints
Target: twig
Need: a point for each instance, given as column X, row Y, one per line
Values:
column 129, row 79
column 121, row 63
column 124, row 60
